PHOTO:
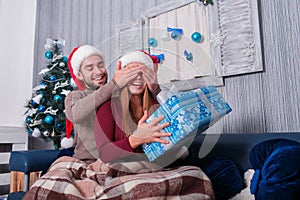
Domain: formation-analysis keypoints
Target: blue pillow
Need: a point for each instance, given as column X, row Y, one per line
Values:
column 260, row 152
column 225, row 178
column 277, row 170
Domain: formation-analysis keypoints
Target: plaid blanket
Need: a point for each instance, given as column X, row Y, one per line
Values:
column 70, row 178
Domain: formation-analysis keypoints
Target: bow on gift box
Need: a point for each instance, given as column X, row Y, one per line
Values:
column 160, row 57
column 51, row 43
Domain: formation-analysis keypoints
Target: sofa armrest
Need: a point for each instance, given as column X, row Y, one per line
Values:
column 33, row 160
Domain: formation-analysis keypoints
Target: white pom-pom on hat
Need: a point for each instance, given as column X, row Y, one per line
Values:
column 137, row 56
column 66, row 142
column 79, row 54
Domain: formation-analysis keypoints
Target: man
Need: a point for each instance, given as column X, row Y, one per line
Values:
column 88, row 71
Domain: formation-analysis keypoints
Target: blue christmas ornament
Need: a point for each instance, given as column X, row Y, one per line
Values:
column 42, row 83
column 174, row 35
column 48, row 119
column 57, row 98
column 152, row 42
column 49, row 55
column 59, row 125
column 28, row 120
column 188, row 56
column 175, row 32
column 41, row 92
column 33, row 103
column 30, row 131
column 196, row 37
column 65, row 59
column 41, row 108
column 52, row 78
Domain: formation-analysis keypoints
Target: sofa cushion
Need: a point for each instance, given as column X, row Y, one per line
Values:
column 277, row 170
column 225, row 177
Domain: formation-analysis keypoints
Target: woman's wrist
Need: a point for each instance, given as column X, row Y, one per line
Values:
column 135, row 141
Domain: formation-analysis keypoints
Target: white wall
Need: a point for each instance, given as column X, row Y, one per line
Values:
column 17, row 22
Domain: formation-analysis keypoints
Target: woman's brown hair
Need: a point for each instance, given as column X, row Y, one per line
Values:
column 129, row 119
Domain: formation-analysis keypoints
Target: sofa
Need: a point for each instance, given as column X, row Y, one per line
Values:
column 233, row 146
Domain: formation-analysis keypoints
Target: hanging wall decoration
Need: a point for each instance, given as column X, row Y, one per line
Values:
column 152, row 42
column 196, row 37
column 175, row 32
column 188, row 55
column 210, row 34
column 160, row 57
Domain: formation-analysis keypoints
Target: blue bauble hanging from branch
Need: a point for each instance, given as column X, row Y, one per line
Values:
column 41, row 108
column 57, row 98
column 28, row 120
column 48, row 119
column 206, row 2
column 65, row 59
column 52, row 78
column 49, row 54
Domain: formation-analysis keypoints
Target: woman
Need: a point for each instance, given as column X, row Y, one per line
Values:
column 126, row 113
column 120, row 129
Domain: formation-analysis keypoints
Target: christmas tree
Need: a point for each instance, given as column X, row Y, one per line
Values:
column 45, row 114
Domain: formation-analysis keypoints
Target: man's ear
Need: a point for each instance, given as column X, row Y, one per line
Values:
column 79, row 76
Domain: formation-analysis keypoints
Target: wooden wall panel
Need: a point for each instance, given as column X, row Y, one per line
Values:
column 262, row 102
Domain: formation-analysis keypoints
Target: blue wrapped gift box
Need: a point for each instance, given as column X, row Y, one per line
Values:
column 187, row 112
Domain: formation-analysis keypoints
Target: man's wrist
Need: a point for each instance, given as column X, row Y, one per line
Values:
column 116, row 84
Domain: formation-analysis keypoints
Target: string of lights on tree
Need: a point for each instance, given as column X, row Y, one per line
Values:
column 45, row 114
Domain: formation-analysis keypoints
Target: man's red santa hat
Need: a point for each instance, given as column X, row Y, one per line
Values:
column 76, row 57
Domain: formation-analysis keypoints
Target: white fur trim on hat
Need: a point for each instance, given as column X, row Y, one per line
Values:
column 137, row 56
column 82, row 53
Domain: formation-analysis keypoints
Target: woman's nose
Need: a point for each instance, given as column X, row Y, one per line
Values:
column 139, row 75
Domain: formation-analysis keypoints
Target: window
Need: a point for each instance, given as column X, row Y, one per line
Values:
column 229, row 45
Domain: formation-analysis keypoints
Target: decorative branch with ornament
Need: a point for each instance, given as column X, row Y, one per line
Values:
column 45, row 114
column 206, row 2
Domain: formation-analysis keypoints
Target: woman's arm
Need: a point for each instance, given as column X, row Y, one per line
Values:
column 112, row 144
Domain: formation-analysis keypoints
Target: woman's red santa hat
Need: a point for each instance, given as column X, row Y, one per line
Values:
column 76, row 57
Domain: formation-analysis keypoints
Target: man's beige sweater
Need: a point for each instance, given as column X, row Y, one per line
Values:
column 81, row 108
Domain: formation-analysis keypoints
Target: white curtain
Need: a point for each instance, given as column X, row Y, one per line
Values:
column 81, row 22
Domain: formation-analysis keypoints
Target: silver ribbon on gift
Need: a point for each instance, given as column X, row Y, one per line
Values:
column 51, row 43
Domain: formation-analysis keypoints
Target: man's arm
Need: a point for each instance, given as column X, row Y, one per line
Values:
column 79, row 105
